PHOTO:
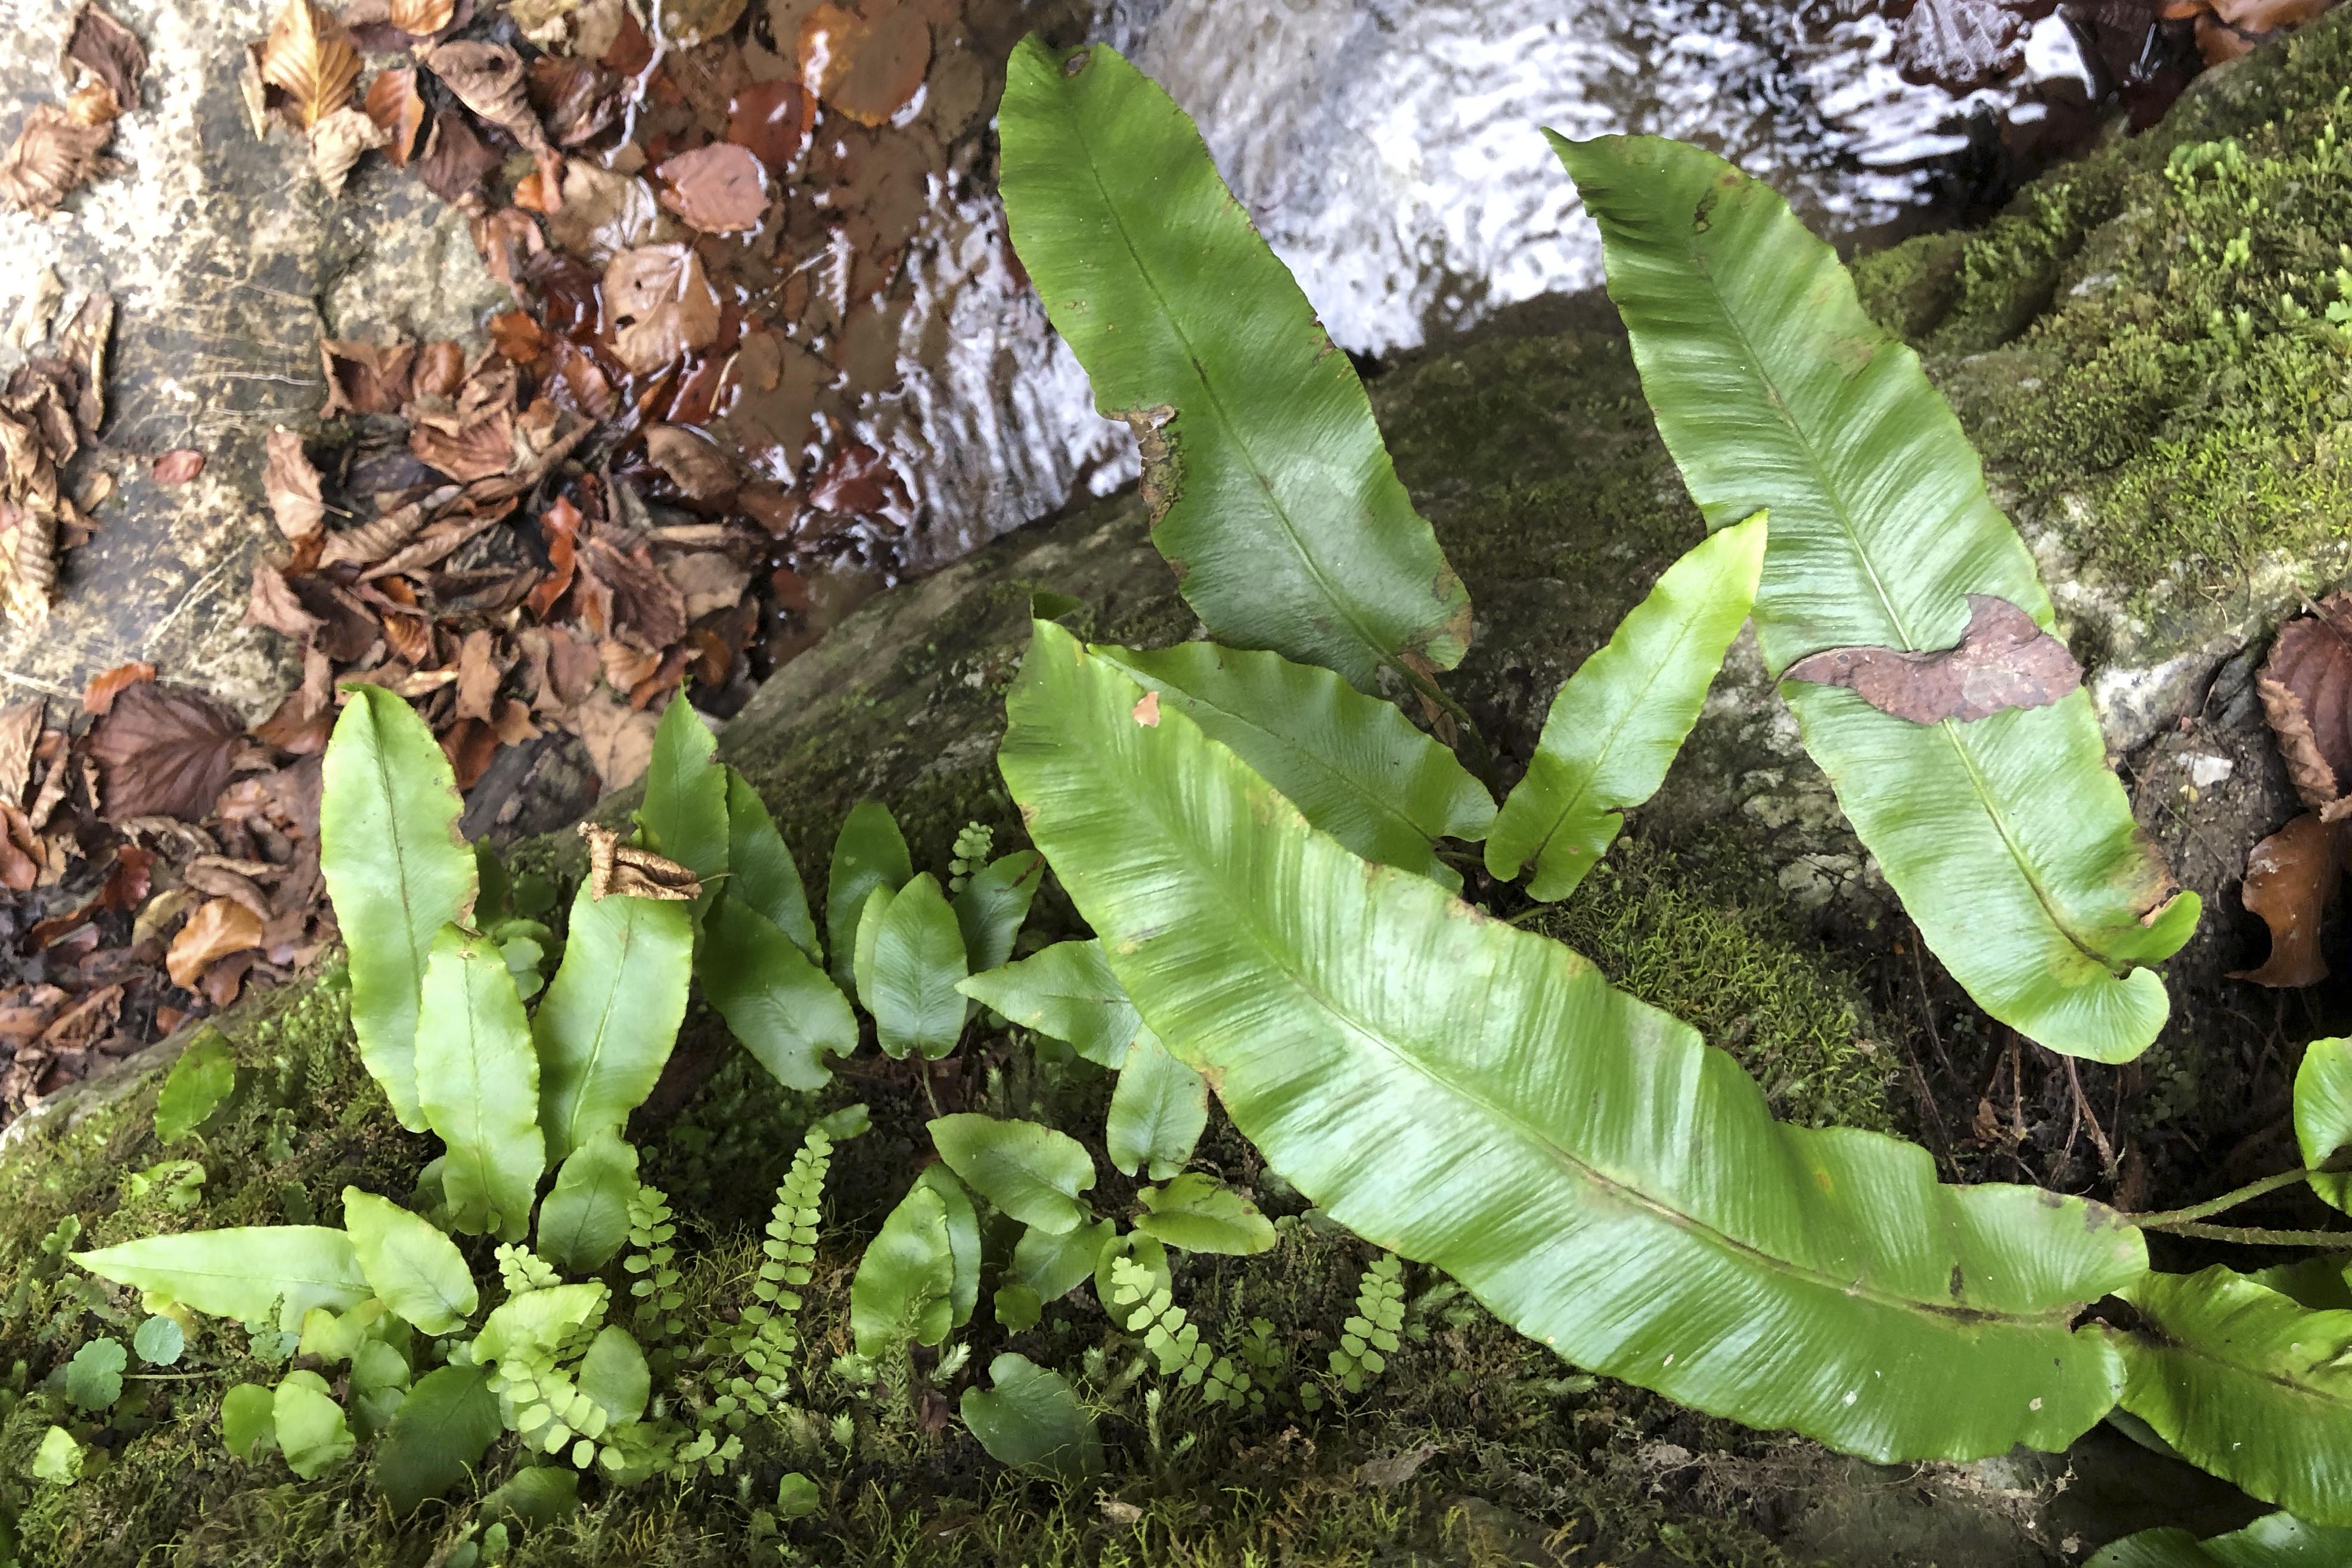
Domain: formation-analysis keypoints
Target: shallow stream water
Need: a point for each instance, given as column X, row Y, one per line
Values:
column 1391, row 152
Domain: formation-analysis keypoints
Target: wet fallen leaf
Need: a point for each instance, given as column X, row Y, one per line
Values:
column 309, row 57
column 178, row 467
column 708, row 581
column 1960, row 44
column 85, row 1020
column 455, row 161
column 663, row 307
column 688, row 23
column 53, row 155
column 868, row 66
column 620, row 738
column 2290, row 878
column 98, row 696
column 641, row 602
column 394, row 103
column 480, row 451
column 2305, row 685
column 605, row 213
column 273, row 604
column 575, row 99
column 478, row 674
column 25, row 1012
column 773, row 119
column 27, row 562
column 488, row 80
column 291, row 484
column 363, row 377
column 615, row 867
column 110, row 52
column 2002, row 661
column 691, row 462
column 421, row 17
column 164, row 751
column 216, row 929
column 719, row 188
column 857, row 482
column 20, row 728
column 337, row 141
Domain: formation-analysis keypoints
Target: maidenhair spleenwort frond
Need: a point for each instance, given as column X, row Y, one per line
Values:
column 971, row 846
column 521, row 1270
column 653, row 1259
column 1369, row 1338
column 1143, row 1306
column 766, row 1341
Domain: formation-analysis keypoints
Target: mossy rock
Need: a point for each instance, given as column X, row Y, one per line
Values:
column 1738, row 900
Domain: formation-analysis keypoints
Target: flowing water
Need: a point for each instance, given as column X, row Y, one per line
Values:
column 1390, row 152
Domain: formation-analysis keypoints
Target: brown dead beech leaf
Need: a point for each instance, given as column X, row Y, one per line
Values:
column 868, row 66
column 164, row 751
column 2305, row 685
column 337, row 141
column 178, row 467
column 615, row 867
column 110, row 52
column 20, row 730
column 2291, row 877
column 311, row 58
column 28, row 568
column 721, row 189
column 488, row 80
column 2002, row 661
column 292, row 485
column 98, row 696
column 394, row 102
column 662, row 306
column 53, row 155
column 421, row 18
column 214, row 931
column 691, row 462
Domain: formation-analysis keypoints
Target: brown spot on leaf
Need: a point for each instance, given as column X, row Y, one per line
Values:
column 2291, row 876
column 1146, row 710
column 2002, row 661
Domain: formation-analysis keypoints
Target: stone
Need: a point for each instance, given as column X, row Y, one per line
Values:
column 220, row 250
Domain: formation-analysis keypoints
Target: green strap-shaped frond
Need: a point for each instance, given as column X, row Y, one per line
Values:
column 1354, row 764
column 1616, row 726
column 1477, row 1097
column 2249, row 1384
column 2009, row 842
column 1271, row 493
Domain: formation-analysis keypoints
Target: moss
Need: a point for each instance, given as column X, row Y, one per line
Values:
column 1685, row 928
column 2141, row 346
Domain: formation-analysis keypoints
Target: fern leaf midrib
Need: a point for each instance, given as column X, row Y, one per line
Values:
column 1343, row 603
column 2059, row 920
column 1273, row 952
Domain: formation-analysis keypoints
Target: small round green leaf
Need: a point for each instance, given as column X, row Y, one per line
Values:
column 58, row 1458
column 311, row 1431
column 1032, row 1418
column 248, row 1419
column 1031, row 1172
column 1198, row 1214
column 94, row 1376
column 159, row 1342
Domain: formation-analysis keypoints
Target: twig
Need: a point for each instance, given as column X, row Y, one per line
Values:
column 2083, row 1106
column 48, row 688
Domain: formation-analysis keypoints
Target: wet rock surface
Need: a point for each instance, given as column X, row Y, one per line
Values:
column 227, row 261
column 1528, row 447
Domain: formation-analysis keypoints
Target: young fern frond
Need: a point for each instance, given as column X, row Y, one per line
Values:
column 766, row 1341
column 1370, row 1337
